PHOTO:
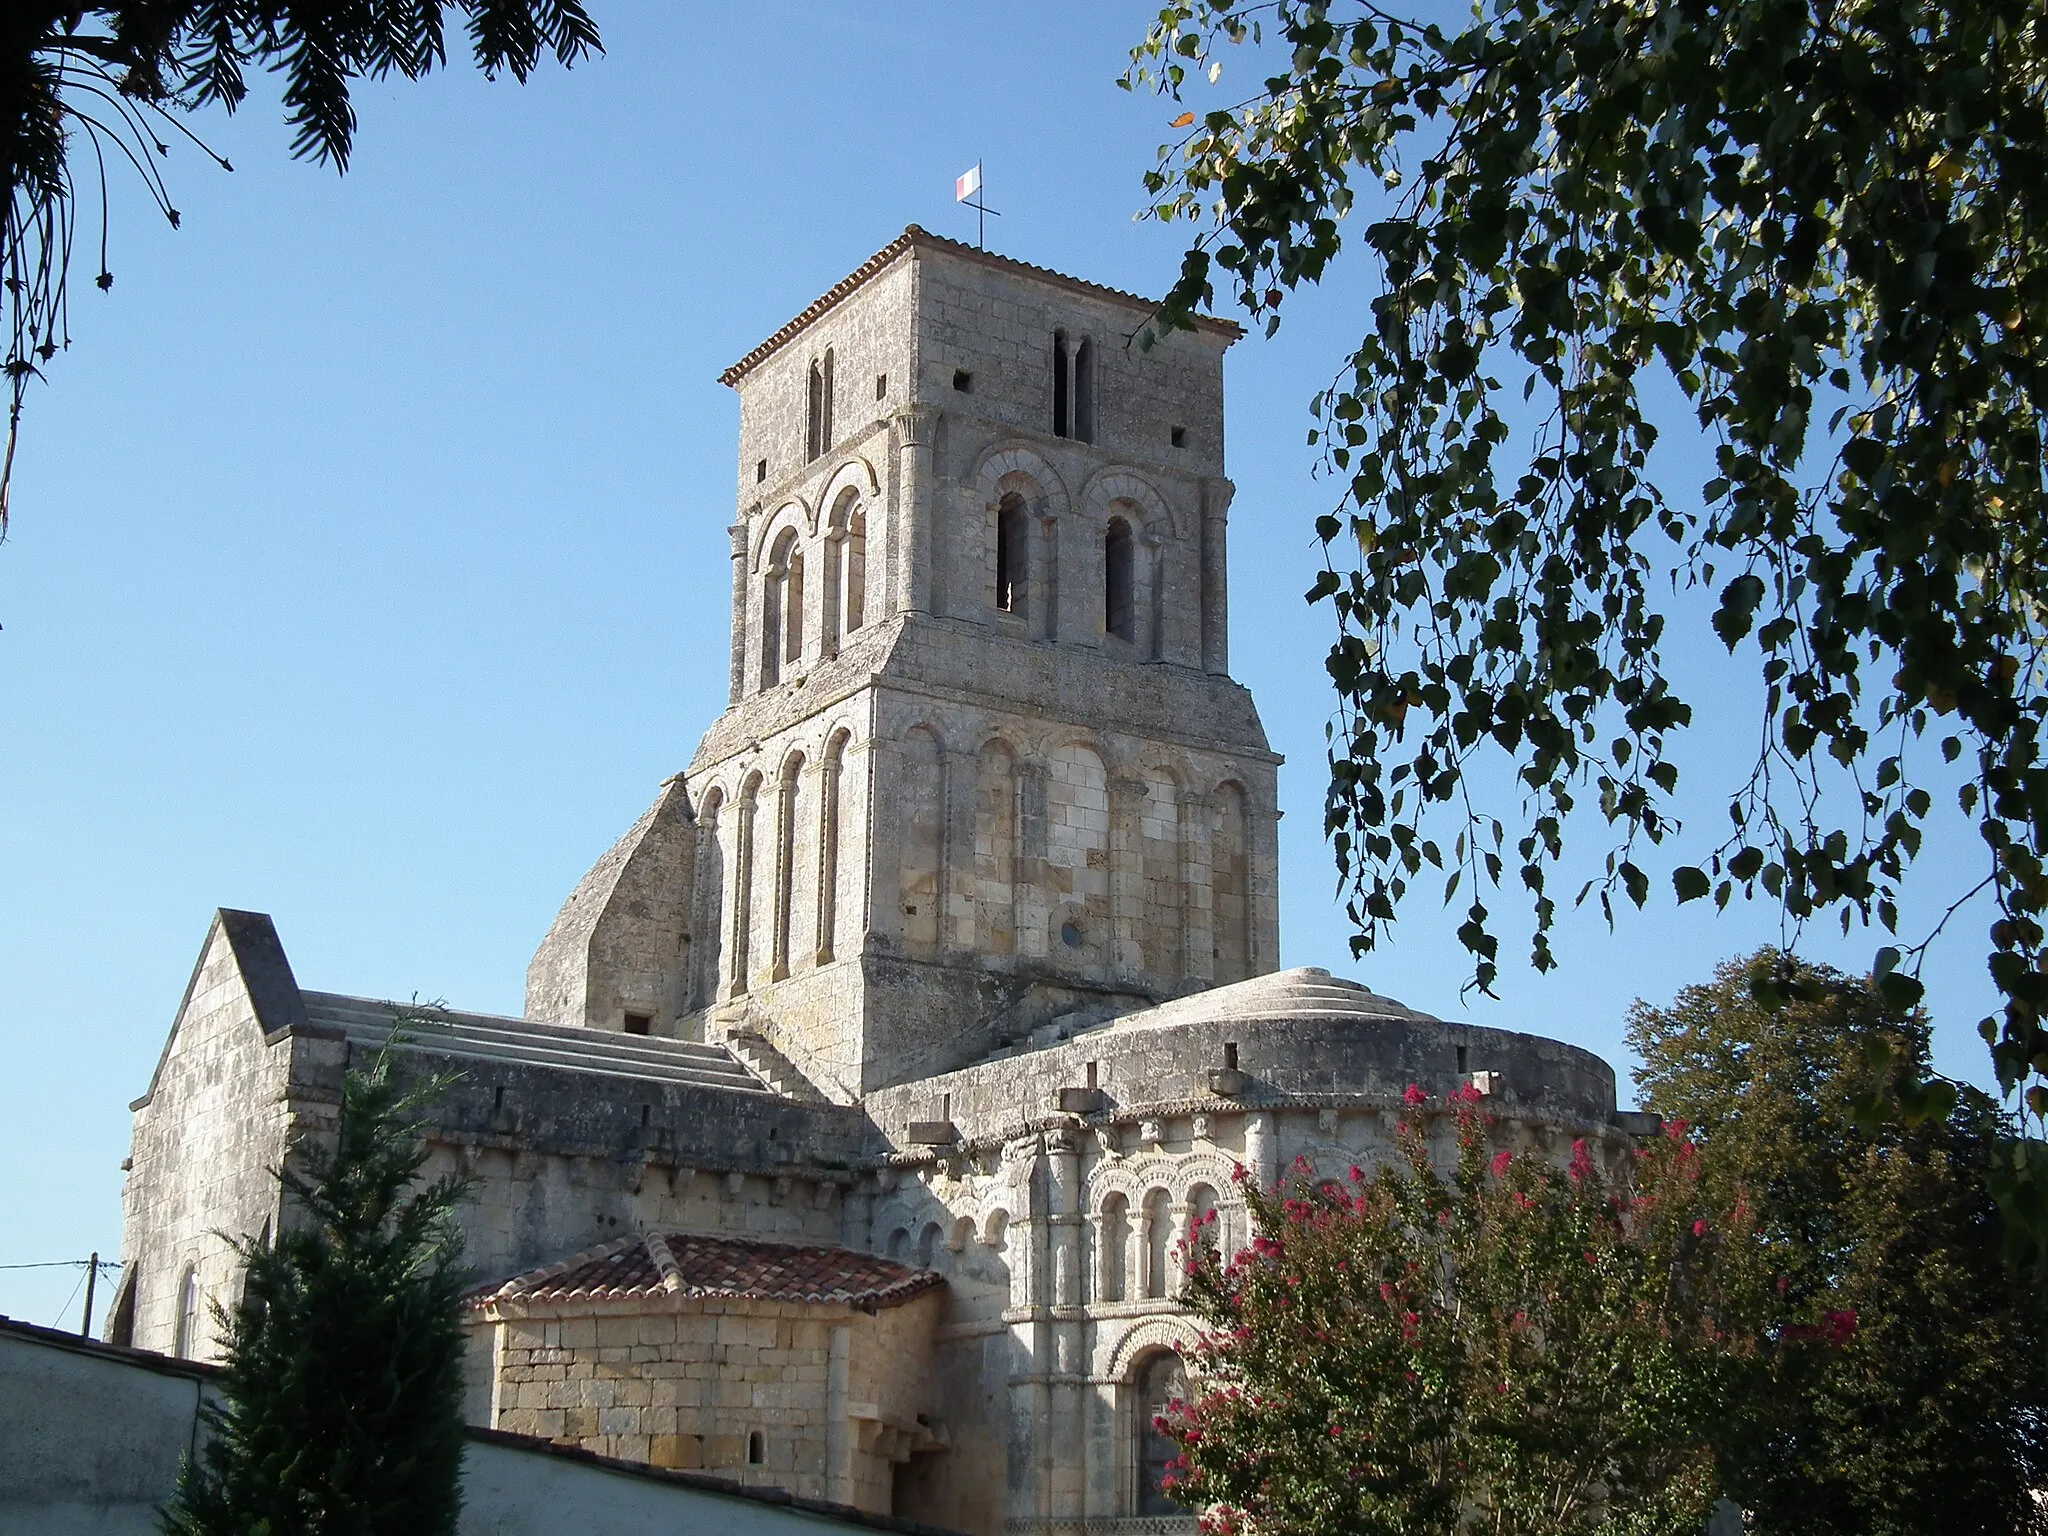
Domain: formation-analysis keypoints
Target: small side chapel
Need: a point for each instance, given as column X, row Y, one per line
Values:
column 866, row 1087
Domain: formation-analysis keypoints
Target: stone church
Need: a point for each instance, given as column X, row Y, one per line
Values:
column 867, row 1085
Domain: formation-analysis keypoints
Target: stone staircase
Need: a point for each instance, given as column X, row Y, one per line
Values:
column 485, row 1037
column 772, row 1067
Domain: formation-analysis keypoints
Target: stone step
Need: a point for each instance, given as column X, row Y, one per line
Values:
column 484, row 1037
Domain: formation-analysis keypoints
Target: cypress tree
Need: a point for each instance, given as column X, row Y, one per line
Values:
column 340, row 1408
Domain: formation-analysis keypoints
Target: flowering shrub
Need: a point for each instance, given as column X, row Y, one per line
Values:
column 1507, row 1347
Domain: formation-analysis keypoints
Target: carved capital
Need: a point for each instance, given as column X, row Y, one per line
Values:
column 916, row 424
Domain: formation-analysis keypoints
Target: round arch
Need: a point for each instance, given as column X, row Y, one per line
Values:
column 1009, row 458
column 795, row 513
column 1113, row 485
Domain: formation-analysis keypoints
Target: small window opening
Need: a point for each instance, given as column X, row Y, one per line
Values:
column 1117, row 560
column 757, row 1448
column 646, row 1113
column 1084, row 392
column 187, row 1336
column 818, row 408
column 793, row 609
column 1092, row 1084
column 639, row 1023
column 945, row 1106
column 1230, row 1055
column 1180, row 437
column 1059, row 384
column 1463, row 1055
column 1012, row 530
column 1070, row 935
column 760, row 471
column 963, row 381
column 499, row 1102
column 881, row 385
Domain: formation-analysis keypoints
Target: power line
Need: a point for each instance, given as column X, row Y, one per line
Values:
column 67, row 1264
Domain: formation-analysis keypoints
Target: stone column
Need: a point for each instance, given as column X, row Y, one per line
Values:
column 1261, row 1149
column 737, row 533
column 1215, row 576
column 828, row 855
column 1126, row 877
column 1176, row 1243
column 1198, row 901
column 1068, row 1367
column 1046, row 586
column 1153, row 637
column 743, row 887
column 1030, row 898
column 962, row 780
column 916, row 427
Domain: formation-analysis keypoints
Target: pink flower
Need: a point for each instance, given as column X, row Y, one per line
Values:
column 1582, row 1160
column 1413, row 1095
column 1699, row 1229
column 1357, row 1173
column 1501, row 1163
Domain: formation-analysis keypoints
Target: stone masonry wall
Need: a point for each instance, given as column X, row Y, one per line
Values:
column 833, row 1394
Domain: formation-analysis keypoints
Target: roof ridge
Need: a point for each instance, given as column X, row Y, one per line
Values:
column 917, row 235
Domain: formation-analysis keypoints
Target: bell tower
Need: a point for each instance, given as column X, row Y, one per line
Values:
column 983, row 773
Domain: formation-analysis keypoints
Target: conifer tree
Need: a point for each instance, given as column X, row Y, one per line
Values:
column 341, row 1397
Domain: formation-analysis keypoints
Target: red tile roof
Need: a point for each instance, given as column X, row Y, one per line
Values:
column 913, row 235
column 690, row 1265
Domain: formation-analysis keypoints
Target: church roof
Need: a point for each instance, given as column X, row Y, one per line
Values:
column 694, row 1266
column 914, row 236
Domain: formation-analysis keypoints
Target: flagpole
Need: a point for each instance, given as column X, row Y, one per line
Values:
column 980, row 213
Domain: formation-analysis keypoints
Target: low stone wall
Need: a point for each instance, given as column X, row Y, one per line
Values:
column 92, row 1435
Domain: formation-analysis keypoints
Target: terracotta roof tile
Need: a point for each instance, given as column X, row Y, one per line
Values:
column 913, row 235
column 689, row 1264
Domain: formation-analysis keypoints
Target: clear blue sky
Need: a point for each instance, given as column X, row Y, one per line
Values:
column 368, row 566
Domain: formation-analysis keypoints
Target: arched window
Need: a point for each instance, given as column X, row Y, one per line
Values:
column 793, row 603
column 1158, row 1242
column 782, row 608
column 818, row 409
column 186, row 1337
column 786, row 814
column 828, row 847
column 846, row 570
column 898, row 1246
column 743, row 882
column 1161, row 1381
column 1113, row 1244
column 1202, row 1217
column 1119, row 575
column 709, row 917
column 928, row 1244
column 1013, row 530
column 1084, row 392
column 1061, row 418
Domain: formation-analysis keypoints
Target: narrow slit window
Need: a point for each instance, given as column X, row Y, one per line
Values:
column 1059, row 384
column 760, row 471
column 1012, row 530
column 1084, row 392
column 793, row 609
column 814, row 413
column 757, row 1448
column 1117, row 561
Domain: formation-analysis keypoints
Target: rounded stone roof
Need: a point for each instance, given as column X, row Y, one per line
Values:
column 1306, row 992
